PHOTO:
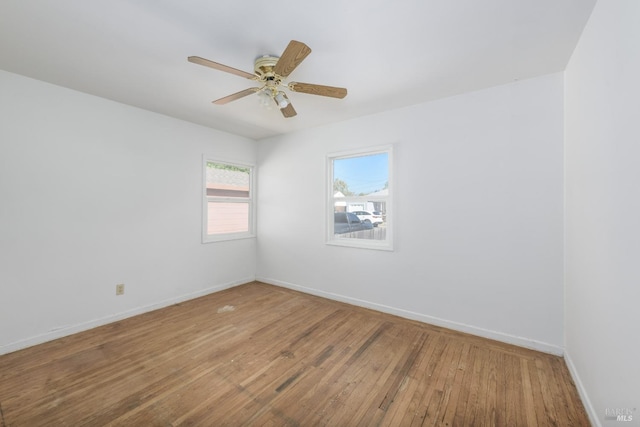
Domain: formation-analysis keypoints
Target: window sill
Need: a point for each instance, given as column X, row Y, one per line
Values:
column 354, row 243
column 227, row 237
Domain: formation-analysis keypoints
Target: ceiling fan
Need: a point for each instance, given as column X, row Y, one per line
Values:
column 270, row 72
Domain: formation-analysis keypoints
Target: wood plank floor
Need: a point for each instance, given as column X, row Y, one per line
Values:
column 261, row 355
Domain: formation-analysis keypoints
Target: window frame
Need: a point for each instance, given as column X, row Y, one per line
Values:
column 250, row 200
column 385, row 245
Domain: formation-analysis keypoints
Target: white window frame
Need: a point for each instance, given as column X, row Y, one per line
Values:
column 387, row 244
column 251, row 233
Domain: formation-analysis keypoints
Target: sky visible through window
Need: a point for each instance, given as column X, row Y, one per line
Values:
column 363, row 174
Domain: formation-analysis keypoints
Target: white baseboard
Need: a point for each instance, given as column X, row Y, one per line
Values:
column 591, row 412
column 485, row 333
column 461, row 327
column 69, row 330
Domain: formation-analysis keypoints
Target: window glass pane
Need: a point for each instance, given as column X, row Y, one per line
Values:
column 360, row 198
column 362, row 175
column 353, row 222
column 224, row 217
column 225, row 180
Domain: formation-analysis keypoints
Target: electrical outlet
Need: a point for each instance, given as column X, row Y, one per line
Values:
column 120, row 289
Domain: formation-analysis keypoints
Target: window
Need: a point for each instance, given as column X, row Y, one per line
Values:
column 359, row 199
column 228, row 201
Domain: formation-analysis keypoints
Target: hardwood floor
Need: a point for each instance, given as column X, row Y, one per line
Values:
column 261, row 355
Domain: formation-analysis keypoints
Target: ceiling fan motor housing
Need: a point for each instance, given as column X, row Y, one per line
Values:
column 264, row 66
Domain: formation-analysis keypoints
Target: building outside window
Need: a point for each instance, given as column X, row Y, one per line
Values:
column 229, row 210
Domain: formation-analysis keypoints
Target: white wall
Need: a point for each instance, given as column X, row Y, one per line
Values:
column 479, row 214
column 95, row 193
column 602, row 306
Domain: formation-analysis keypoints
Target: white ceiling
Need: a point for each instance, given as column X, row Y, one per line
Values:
column 387, row 54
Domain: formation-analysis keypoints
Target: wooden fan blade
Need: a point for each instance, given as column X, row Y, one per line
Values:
column 334, row 92
column 292, row 56
column 225, row 68
column 236, row 95
column 287, row 111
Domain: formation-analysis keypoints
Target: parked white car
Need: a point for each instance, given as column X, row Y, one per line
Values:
column 365, row 216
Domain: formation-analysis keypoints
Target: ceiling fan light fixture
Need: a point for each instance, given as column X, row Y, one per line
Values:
column 265, row 99
column 281, row 100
